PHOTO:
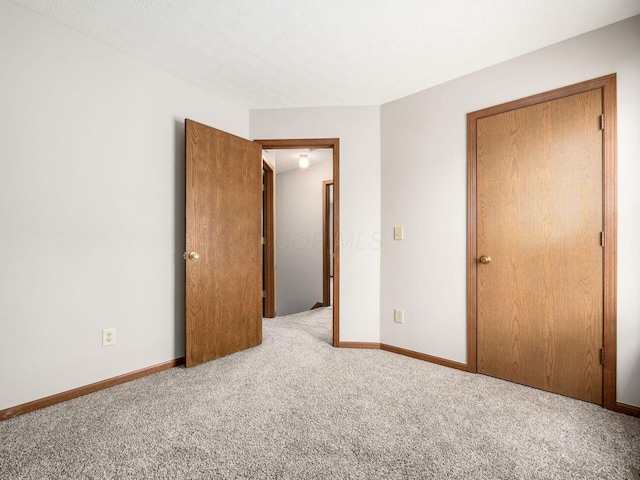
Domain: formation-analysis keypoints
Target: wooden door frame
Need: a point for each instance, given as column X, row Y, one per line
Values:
column 326, row 270
column 269, row 267
column 608, row 86
column 334, row 144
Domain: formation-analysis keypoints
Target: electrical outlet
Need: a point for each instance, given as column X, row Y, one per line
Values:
column 398, row 315
column 108, row 337
column 398, row 233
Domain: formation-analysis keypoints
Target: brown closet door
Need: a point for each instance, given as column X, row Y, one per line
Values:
column 539, row 218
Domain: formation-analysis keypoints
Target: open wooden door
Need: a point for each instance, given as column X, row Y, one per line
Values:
column 223, row 243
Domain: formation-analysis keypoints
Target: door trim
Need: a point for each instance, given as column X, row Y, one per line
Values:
column 610, row 221
column 334, row 144
column 326, row 270
column 269, row 267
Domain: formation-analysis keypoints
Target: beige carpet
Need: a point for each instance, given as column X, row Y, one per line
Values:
column 297, row 408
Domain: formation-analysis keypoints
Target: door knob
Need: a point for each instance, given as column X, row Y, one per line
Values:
column 193, row 256
column 484, row 259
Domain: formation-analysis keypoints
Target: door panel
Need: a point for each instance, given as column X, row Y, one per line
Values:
column 539, row 218
column 223, row 223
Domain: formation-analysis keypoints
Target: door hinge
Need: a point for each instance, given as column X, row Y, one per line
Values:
column 602, row 358
column 602, row 239
column 602, row 122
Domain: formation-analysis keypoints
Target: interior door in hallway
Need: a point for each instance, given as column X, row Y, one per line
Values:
column 223, row 242
column 540, row 258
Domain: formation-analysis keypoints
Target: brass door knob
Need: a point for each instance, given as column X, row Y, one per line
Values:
column 484, row 259
column 194, row 256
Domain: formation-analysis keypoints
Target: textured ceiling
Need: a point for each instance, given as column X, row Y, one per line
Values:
column 302, row 53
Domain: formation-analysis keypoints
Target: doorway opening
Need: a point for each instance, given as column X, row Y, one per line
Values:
column 328, row 259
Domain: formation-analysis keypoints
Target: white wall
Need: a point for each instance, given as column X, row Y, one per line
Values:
column 424, row 190
column 91, row 207
column 298, row 229
column 359, row 131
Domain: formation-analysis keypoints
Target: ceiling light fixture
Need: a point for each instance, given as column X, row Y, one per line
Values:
column 304, row 161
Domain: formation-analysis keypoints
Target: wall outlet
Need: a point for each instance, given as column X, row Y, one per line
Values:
column 398, row 315
column 398, row 233
column 108, row 337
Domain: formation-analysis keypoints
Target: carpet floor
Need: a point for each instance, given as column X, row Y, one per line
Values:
column 297, row 408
